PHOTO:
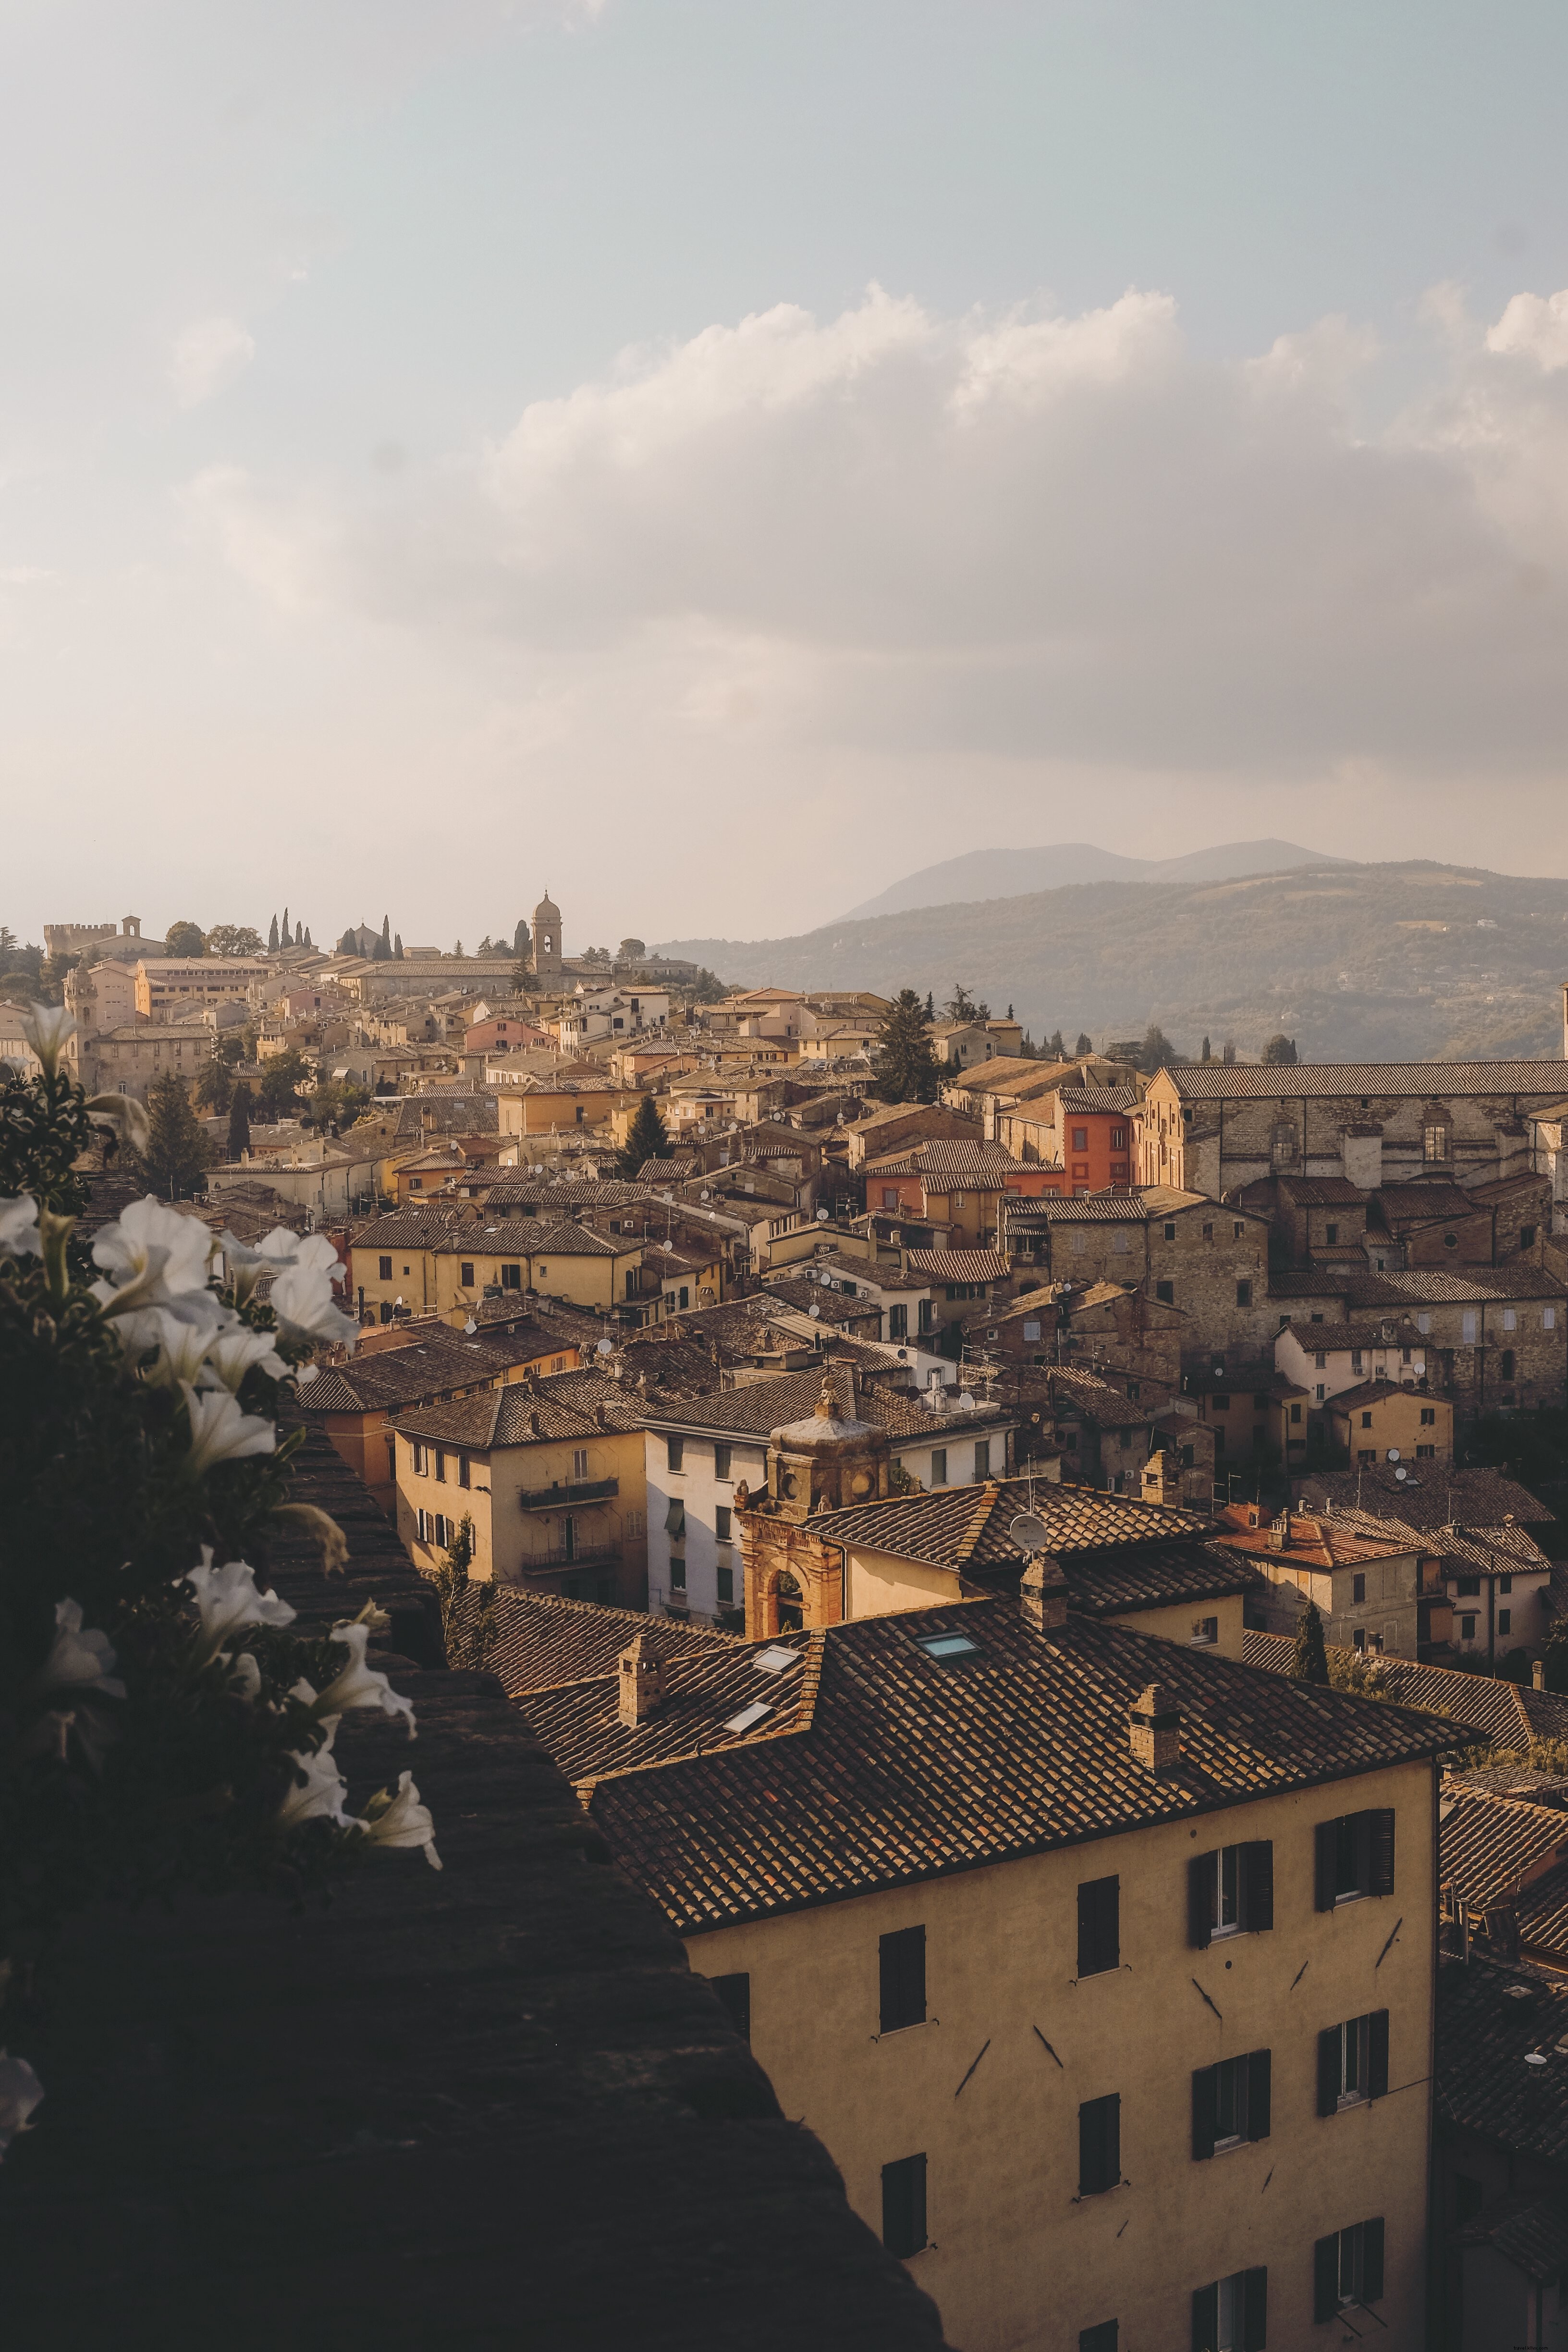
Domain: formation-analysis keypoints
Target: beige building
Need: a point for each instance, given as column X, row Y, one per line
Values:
column 186, row 984
column 1081, row 1950
column 433, row 1260
column 127, row 1061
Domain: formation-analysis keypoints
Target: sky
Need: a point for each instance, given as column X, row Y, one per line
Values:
column 710, row 460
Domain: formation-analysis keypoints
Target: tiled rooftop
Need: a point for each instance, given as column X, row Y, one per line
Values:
column 1434, row 1495
column 541, row 1640
column 1506, row 1715
column 447, row 1359
column 562, row 1404
column 1242, row 1082
column 961, row 1265
column 966, row 1526
column 1491, row 2017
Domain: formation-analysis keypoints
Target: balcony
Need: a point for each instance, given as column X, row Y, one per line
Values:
column 600, row 1555
column 568, row 1496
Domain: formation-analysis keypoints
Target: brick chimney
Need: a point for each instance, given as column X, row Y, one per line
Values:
column 1043, row 1593
column 641, row 1683
column 1162, row 1480
column 1538, row 1675
column 1155, row 1729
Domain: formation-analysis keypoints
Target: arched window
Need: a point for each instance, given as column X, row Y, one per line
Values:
column 1282, row 1147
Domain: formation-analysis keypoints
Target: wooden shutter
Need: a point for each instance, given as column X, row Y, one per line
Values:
column 1205, row 2105
column 1326, row 2278
column 902, row 1966
column 1329, row 2070
column 1205, row 2319
column 1259, row 2078
column 1380, row 1850
column 1098, row 1937
column 1371, row 2261
column 1099, row 2145
column 1328, row 1840
column 1255, row 2311
column 1377, row 2054
column 1203, row 1882
column 1258, row 1884
column 904, row 2206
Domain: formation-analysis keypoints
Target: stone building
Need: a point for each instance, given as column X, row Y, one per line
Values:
column 1182, row 1248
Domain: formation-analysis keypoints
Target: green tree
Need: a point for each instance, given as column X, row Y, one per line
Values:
column 239, row 1121
column 177, row 1154
column 234, row 940
column 1279, row 1053
column 1157, row 1053
column 187, row 940
column 272, row 938
column 1227, row 1053
column 215, row 1087
column 282, row 1078
column 962, row 1006
column 906, row 1065
column 647, row 1138
column 1208, row 1054
column 1310, row 1658
column 1055, row 1047
column 1085, row 1043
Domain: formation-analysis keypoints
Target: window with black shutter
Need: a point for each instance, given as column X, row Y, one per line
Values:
column 1353, row 2061
column 903, row 1978
column 1100, row 2338
column 1347, row 2269
column 1232, row 2314
column 735, row 1997
column 1099, row 1926
column 1232, row 2102
column 904, row 2206
column 1230, row 1892
column 1354, row 1857
column 1099, row 2145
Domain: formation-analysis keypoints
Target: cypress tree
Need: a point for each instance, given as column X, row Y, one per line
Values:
column 387, row 932
column 177, row 1152
column 397, row 948
column 647, row 1138
column 1055, row 1049
column 1310, row 1658
column 272, row 938
column 1208, row 1056
column 906, row 1066
column 286, row 941
column 239, row 1120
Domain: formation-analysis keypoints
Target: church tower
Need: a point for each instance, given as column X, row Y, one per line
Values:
column 547, row 943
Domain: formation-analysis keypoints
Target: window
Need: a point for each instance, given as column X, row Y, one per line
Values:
column 1330, row 1235
column 1358, row 1588
column 466, row 1273
column 677, row 1574
column 1352, row 2063
column 580, row 1464
column 1321, row 1361
column 1282, row 1147
column 1099, row 2145
column 422, row 1534
column 1429, row 1416
column 675, row 1451
column 1505, row 1364
column 383, row 1269
column 1119, row 1143
column 1426, row 1454
column 722, row 1455
column 1100, row 2338
column 735, row 2000
column 1165, row 1292
column 890, row 1196
column 1220, row 1401
column 1237, row 1229
column 1470, row 1326
column 947, row 1645
column 904, row 2206
column 726, row 1583
column 1347, row 2268
column 1230, row 2102
column 1080, row 1138
column 1423, row 1323
column 1295, row 1412
column 721, row 1519
column 1549, row 1319
column 1098, row 1927
column 1170, row 1233
column 1527, row 1237
column 462, row 1470
column 898, row 1322
column 939, row 1466
column 1509, row 1319
column 928, row 1314
column 1467, row 1628
column 1205, row 1631
column 1505, row 1621
column 1468, row 1587
column 1505, row 1584
column 1435, row 1140
column 901, row 1960
column 1232, row 2315
column 983, row 1458
column 1354, row 1857
column 512, row 1277
column 1244, row 1294
column 1230, row 1891
column 440, row 1467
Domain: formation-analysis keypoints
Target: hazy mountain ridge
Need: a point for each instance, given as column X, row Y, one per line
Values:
column 1405, row 961
column 981, row 874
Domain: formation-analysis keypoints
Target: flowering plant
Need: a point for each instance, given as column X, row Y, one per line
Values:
column 162, row 1724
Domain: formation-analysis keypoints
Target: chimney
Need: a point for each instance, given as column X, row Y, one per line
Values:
column 1162, row 1478
column 1538, row 1675
column 1043, row 1593
column 1154, row 1728
column 641, row 1684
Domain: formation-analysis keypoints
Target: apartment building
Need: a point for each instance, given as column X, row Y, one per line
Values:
column 180, row 984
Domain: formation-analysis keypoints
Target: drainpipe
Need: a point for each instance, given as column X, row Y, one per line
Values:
column 1491, row 1621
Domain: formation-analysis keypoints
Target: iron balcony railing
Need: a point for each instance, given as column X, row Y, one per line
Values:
column 568, row 1494
column 601, row 1555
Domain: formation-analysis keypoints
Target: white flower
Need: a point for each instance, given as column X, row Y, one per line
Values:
column 20, row 2093
column 185, row 1343
column 229, row 1600
column 46, row 1028
column 235, row 1350
column 221, row 1432
column 244, row 1676
column 81, row 1662
column 357, row 1684
column 305, row 1375
column 401, row 1820
column 318, row 1792
column 301, row 1299
column 315, row 1253
column 124, row 1112
column 156, row 1256
column 19, row 1227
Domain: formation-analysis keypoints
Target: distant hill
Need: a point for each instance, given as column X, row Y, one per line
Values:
column 1396, row 963
column 1011, row 873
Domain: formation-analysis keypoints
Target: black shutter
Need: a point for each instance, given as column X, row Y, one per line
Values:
column 903, row 1978
column 1205, row 2105
column 1099, row 1926
column 1099, row 2145
column 1329, row 2070
column 1255, row 2312
column 1326, row 2278
column 1258, row 1884
column 1202, row 1881
column 1377, row 2054
column 1380, row 1853
column 904, row 2206
column 1371, row 2261
column 1099, row 2338
column 1205, row 2319
column 735, row 1993
column 1327, row 1863
column 1259, row 2085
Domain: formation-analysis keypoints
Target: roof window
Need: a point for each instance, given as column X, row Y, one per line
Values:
column 947, row 1645
column 750, row 1716
column 775, row 1660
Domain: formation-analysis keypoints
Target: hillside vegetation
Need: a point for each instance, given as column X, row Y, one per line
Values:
column 1386, row 962
column 1005, row 872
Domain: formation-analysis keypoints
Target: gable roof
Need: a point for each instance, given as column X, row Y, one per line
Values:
column 762, row 1406
column 966, row 1526
column 529, row 1412
column 540, row 1639
column 1436, row 1498
column 1489, row 2016
column 444, row 1360
column 1505, row 1713
column 1245, row 1082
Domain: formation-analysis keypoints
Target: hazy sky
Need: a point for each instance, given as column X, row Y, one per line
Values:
column 712, row 456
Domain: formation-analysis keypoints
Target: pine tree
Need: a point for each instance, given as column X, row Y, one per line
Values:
column 215, row 1087
column 1085, row 1043
column 272, row 938
column 177, row 1152
column 239, row 1120
column 1009, row 1012
column 347, row 944
column 647, row 1138
column 906, row 1065
column 1056, row 1047
column 931, row 1006
column 1310, row 1658
column 1280, row 1052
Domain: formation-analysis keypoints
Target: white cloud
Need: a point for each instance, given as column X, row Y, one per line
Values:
column 207, row 358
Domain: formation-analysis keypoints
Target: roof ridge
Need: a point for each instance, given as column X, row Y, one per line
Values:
column 990, row 1495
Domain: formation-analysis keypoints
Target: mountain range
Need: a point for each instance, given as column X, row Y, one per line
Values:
column 1013, row 873
column 1402, row 961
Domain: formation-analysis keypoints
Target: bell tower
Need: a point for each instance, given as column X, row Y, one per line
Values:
column 547, row 943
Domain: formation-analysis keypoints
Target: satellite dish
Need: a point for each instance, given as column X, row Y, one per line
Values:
column 903, row 1355
column 1402, row 1475
column 814, row 1309
column 967, row 1401
column 707, row 1195
column 822, row 1216
column 1393, row 1452
column 606, row 1347
column 470, row 1327
column 1028, row 1533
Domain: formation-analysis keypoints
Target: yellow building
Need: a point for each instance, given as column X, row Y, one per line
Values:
column 1389, row 1421
column 549, row 1474
column 180, row 984
column 1103, row 1967
column 552, row 1105
column 437, row 1259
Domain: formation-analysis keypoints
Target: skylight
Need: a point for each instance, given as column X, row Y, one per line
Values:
column 775, row 1660
column 947, row 1645
column 750, row 1716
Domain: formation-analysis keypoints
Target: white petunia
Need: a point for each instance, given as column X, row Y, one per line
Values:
column 401, row 1820
column 221, row 1432
column 315, row 1253
column 235, row 1351
column 229, row 1598
column 357, row 1684
column 20, row 2093
column 301, row 1299
column 19, row 1227
column 184, row 1344
column 152, row 1256
column 125, row 1113
column 320, row 1794
column 244, row 1676
column 80, row 1661
column 46, row 1028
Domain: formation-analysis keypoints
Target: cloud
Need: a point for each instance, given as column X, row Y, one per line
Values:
column 207, row 358
column 1031, row 537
